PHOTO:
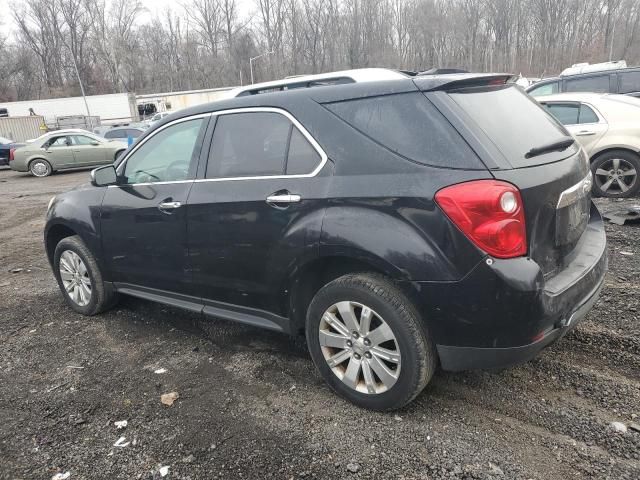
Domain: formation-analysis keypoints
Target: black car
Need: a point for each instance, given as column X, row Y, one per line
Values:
column 6, row 145
column 624, row 81
column 398, row 224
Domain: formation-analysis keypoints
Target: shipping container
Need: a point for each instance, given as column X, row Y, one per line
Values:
column 20, row 129
column 117, row 107
column 174, row 101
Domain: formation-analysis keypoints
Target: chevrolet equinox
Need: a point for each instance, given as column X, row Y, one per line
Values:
column 398, row 225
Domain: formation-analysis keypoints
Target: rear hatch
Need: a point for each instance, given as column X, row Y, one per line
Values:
column 522, row 144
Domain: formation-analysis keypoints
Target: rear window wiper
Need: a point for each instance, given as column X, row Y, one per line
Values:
column 557, row 146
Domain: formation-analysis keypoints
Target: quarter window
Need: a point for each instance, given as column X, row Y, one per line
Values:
column 256, row 144
column 598, row 84
column 167, row 156
column 587, row 115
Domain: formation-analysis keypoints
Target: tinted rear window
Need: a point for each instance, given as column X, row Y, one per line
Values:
column 410, row 126
column 514, row 122
column 599, row 84
column 629, row 82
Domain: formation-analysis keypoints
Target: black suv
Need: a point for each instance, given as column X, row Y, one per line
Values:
column 624, row 81
column 398, row 224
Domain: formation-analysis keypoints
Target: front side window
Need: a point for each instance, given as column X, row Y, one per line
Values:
column 166, row 156
column 546, row 89
column 599, row 84
column 82, row 140
column 255, row 144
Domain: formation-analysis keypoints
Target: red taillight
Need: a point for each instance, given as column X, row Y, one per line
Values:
column 11, row 150
column 489, row 213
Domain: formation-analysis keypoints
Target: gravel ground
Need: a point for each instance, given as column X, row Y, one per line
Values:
column 252, row 406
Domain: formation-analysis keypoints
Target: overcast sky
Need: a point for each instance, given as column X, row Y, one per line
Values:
column 154, row 6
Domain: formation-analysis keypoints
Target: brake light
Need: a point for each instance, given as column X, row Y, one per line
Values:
column 11, row 150
column 490, row 213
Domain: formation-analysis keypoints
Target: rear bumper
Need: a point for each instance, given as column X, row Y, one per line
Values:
column 504, row 312
column 472, row 358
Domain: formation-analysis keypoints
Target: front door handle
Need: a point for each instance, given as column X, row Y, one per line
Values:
column 585, row 133
column 166, row 207
column 283, row 198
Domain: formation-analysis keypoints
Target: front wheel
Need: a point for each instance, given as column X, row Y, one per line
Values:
column 615, row 174
column 79, row 277
column 369, row 343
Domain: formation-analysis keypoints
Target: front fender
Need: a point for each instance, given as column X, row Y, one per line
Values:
column 77, row 211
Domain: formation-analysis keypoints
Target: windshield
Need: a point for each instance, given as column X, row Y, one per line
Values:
column 515, row 123
column 4, row 140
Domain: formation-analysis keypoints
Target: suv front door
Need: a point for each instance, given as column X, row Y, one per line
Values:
column 143, row 218
column 256, row 209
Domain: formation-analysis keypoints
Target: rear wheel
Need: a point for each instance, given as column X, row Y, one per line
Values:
column 40, row 168
column 368, row 342
column 79, row 277
column 615, row 174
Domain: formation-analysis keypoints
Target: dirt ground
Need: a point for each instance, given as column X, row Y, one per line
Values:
column 252, row 406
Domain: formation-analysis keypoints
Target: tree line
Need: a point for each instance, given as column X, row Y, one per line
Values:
column 208, row 43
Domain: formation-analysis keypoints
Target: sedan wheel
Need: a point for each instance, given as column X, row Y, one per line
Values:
column 615, row 177
column 359, row 347
column 40, row 168
column 75, row 278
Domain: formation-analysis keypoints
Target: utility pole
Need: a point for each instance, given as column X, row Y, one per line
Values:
column 255, row 58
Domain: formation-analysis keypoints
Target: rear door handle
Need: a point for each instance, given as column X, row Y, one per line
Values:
column 166, row 207
column 284, row 198
column 585, row 133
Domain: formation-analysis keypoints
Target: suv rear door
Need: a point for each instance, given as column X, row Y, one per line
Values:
column 251, row 212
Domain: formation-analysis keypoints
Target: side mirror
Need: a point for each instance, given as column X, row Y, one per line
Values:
column 94, row 143
column 103, row 176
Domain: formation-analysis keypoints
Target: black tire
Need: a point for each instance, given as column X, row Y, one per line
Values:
column 604, row 164
column 39, row 167
column 417, row 350
column 101, row 297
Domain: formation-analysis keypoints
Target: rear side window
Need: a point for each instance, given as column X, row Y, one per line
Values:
column 542, row 90
column 567, row 114
column 629, row 82
column 514, row 122
column 257, row 144
column 599, row 84
column 572, row 113
column 410, row 126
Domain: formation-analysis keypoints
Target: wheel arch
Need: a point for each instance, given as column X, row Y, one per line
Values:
column 609, row 149
column 54, row 234
column 308, row 279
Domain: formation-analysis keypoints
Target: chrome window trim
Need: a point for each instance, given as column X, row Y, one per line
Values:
column 323, row 156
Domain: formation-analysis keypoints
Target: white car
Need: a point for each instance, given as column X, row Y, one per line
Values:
column 608, row 128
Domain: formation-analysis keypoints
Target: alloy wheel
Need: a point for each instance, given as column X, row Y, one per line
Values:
column 359, row 347
column 615, row 176
column 75, row 278
column 39, row 168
